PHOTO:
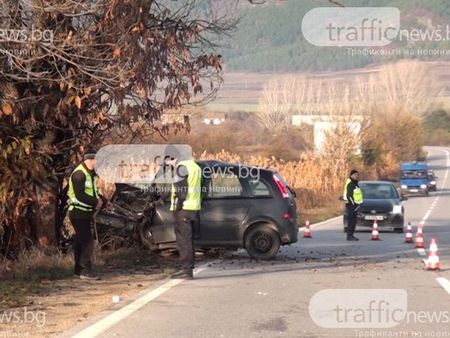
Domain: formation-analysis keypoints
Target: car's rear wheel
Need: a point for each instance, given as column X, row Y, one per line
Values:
column 262, row 242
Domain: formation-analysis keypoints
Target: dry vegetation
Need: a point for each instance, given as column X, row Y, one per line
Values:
column 388, row 105
column 313, row 178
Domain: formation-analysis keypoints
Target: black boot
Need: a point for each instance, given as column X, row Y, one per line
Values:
column 183, row 274
column 352, row 238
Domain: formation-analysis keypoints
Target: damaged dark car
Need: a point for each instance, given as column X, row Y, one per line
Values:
column 242, row 207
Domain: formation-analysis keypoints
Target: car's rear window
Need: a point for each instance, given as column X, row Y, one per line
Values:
column 260, row 188
column 378, row 191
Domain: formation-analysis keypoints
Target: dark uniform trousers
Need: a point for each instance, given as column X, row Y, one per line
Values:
column 351, row 218
column 186, row 230
column 83, row 245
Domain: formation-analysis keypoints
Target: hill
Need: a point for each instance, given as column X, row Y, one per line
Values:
column 269, row 38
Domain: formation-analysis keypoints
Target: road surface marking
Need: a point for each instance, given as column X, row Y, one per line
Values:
column 444, row 283
column 422, row 251
column 107, row 322
column 426, row 216
column 117, row 316
column 320, row 223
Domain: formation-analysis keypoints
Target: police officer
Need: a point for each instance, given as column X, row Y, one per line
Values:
column 186, row 204
column 353, row 198
column 84, row 199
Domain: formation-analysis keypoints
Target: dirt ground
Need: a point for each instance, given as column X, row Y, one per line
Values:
column 48, row 307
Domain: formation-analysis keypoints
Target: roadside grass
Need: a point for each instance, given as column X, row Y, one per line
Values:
column 330, row 209
column 166, row 272
column 22, row 276
column 13, row 293
column 40, row 263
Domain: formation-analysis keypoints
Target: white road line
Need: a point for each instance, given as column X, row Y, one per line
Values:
column 115, row 317
column 444, row 283
column 320, row 223
column 426, row 215
column 422, row 251
column 436, row 199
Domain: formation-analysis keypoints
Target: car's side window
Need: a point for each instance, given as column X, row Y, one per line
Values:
column 260, row 188
column 222, row 185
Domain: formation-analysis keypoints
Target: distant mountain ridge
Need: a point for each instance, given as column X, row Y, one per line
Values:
column 269, row 38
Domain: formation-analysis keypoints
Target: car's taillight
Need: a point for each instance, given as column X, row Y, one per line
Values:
column 281, row 187
column 287, row 215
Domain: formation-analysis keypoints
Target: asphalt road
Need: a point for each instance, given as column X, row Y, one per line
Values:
column 238, row 297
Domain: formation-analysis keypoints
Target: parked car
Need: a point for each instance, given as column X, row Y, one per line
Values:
column 432, row 186
column 414, row 178
column 238, row 211
column 382, row 203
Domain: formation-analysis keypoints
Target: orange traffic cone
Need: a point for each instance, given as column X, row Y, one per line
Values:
column 307, row 232
column 419, row 237
column 408, row 234
column 375, row 233
column 433, row 258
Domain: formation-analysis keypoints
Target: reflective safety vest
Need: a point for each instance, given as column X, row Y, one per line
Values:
column 193, row 197
column 90, row 188
column 357, row 193
column 344, row 194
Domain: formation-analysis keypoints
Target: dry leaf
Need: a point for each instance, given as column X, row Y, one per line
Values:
column 70, row 99
column 78, row 102
column 7, row 109
column 116, row 52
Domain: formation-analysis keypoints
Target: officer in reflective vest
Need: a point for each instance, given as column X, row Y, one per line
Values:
column 186, row 204
column 84, row 199
column 353, row 198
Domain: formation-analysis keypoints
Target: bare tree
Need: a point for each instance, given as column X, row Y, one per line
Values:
column 352, row 107
column 408, row 86
column 276, row 104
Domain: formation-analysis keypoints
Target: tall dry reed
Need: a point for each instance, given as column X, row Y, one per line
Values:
column 312, row 177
